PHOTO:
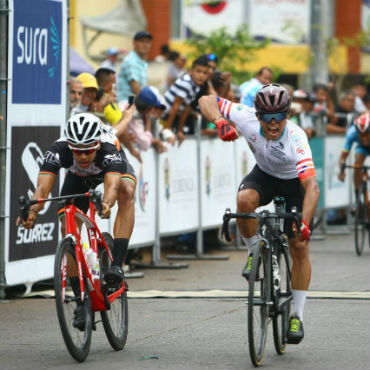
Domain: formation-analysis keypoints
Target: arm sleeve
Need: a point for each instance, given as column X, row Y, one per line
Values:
column 236, row 112
column 350, row 139
column 304, row 163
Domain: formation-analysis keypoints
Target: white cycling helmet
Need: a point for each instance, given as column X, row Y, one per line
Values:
column 83, row 128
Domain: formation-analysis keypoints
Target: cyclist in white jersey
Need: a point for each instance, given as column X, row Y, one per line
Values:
column 284, row 168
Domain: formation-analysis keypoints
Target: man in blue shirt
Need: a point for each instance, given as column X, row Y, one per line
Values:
column 133, row 74
column 249, row 88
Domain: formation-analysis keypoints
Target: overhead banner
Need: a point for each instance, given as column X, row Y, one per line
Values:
column 205, row 16
column 36, row 110
column 284, row 21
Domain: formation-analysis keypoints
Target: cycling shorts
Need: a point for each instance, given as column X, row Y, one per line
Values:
column 269, row 186
column 365, row 150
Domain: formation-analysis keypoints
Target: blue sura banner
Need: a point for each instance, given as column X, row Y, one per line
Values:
column 37, row 42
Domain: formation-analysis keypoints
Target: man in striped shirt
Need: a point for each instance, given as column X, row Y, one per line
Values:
column 284, row 168
column 180, row 95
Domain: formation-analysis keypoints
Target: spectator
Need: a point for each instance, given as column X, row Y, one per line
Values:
column 133, row 72
column 75, row 92
column 176, row 68
column 111, row 59
column 305, row 118
column 164, row 54
column 149, row 104
column 181, row 94
column 345, row 107
column 324, row 105
column 366, row 100
column 234, row 94
column 90, row 88
column 250, row 88
column 360, row 91
column 106, row 80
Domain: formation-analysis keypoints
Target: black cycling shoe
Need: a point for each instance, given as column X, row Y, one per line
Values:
column 295, row 331
column 79, row 319
column 248, row 267
column 114, row 276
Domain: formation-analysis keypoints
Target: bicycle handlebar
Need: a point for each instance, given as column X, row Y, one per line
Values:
column 260, row 216
column 94, row 195
column 354, row 166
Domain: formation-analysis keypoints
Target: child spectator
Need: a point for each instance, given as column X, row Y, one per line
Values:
column 176, row 68
column 180, row 95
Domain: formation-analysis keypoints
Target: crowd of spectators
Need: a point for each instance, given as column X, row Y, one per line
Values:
column 160, row 119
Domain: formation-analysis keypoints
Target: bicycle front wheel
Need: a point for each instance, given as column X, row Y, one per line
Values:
column 115, row 320
column 258, row 308
column 283, row 298
column 361, row 222
column 77, row 340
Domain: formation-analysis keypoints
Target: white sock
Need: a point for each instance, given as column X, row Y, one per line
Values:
column 299, row 299
column 249, row 241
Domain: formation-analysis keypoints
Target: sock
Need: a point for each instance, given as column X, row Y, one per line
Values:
column 249, row 241
column 299, row 299
column 75, row 285
column 120, row 247
column 356, row 194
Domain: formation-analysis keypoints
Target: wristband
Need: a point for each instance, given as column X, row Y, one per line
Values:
column 220, row 116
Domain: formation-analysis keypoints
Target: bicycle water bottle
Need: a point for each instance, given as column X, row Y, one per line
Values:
column 275, row 274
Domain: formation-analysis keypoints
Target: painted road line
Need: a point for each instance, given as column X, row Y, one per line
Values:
column 215, row 293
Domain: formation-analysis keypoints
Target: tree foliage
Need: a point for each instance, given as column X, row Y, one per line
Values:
column 233, row 50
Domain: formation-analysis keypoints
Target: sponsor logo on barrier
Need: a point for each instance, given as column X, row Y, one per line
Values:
column 37, row 46
column 244, row 162
column 28, row 144
column 166, row 170
column 208, row 175
column 143, row 191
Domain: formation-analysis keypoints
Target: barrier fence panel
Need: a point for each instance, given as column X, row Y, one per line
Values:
column 336, row 192
column 217, row 182
column 37, row 54
column 178, row 189
column 145, row 202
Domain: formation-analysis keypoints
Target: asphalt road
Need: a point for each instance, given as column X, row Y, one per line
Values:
column 204, row 332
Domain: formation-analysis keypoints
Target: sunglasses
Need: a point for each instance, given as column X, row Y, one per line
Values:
column 87, row 151
column 268, row 117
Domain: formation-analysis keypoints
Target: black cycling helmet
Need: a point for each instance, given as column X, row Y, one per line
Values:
column 272, row 98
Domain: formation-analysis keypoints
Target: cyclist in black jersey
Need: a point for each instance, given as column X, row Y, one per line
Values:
column 91, row 157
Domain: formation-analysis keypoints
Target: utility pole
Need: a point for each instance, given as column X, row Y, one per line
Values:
column 322, row 14
column 4, row 11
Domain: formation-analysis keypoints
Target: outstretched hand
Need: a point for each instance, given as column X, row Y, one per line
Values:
column 225, row 131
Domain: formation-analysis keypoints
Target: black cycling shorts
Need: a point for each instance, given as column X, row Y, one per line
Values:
column 269, row 187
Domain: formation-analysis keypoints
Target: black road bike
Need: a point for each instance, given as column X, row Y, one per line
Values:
column 270, row 290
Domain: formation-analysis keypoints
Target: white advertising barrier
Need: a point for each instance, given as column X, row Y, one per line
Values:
column 337, row 193
column 145, row 202
column 218, row 188
column 178, row 188
column 36, row 108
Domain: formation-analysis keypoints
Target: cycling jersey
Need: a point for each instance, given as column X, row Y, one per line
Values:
column 107, row 160
column 352, row 136
column 287, row 157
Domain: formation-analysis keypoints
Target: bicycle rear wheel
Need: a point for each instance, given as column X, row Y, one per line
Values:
column 115, row 320
column 361, row 222
column 283, row 298
column 77, row 341
column 258, row 309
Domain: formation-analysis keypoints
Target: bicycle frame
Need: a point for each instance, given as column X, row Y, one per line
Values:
column 99, row 300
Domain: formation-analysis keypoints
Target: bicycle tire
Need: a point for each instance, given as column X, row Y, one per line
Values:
column 361, row 222
column 77, row 341
column 115, row 320
column 258, row 308
column 283, row 298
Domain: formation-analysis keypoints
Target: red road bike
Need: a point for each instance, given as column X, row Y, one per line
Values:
column 93, row 293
